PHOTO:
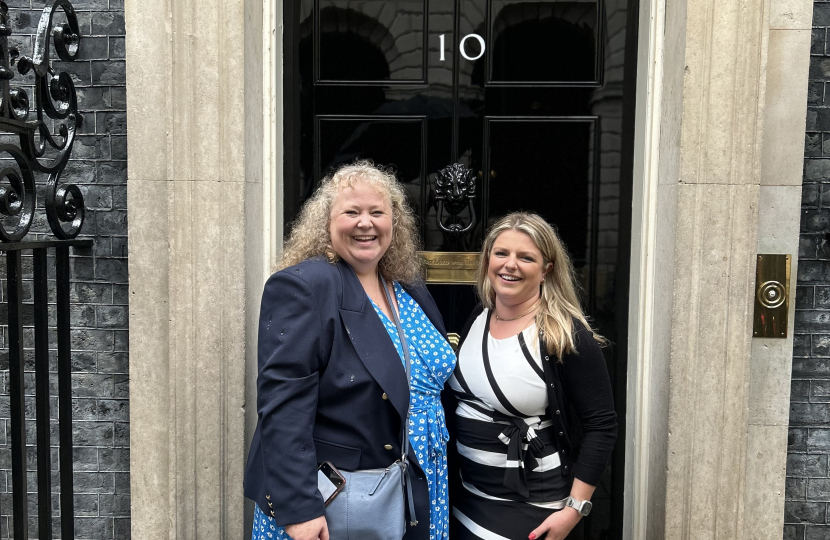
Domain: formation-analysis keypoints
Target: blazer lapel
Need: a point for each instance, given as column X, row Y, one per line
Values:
column 371, row 341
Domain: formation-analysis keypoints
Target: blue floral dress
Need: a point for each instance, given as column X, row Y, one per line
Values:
column 432, row 363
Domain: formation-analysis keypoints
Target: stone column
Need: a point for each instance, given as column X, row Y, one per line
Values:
column 721, row 444
column 718, row 178
column 195, row 96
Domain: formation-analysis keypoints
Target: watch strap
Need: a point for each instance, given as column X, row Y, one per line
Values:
column 583, row 507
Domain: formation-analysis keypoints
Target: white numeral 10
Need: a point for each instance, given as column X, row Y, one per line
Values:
column 461, row 46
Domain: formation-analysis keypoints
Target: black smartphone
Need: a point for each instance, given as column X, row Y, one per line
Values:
column 329, row 481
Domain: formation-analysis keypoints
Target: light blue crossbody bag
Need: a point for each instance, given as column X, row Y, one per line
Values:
column 372, row 504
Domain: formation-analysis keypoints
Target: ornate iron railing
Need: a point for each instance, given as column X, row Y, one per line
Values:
column 45, row 142
column 44, row 146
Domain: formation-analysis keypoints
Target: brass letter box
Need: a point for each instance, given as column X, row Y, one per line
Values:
column 450, row 267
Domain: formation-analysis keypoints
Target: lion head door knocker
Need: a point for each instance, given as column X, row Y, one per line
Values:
column 455, row 191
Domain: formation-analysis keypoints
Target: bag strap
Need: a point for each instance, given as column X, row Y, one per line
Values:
column 405, row 427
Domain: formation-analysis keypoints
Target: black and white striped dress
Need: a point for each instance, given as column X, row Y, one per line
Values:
column 509, row 465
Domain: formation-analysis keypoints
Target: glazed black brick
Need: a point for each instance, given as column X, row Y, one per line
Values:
column 796, row 489
column 817, row 41
column 813, row 320
column 821, row 14
column 113, row 409
column 94, row 48
column 99, row 290
column 818, row 169
column 808, row 478
column 93, row 527
column 803, row 465
column 111, row 270
column 111, row 122
column 809, row 195
column 811, row 368
column 812, row 144
column 119, row 149
column 799, row 391
column 801, row 345
column 108, row 24
column 113, row 222
column 804, row 297
column 113, row 172
column 122, row 528
column 815, row 93
column 793, row 532
column 820, row 532
column 113, row 362
column 797, row 439
column 804, row 512
column 818, row 489
column 812, row 271
column 107, row 72
column 112, row 316
column 819, row 391
column 808, row 414
column 114, row 459
column 815, row 220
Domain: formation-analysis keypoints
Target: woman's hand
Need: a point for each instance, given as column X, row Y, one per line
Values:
column 309, row 530
column 557, row 526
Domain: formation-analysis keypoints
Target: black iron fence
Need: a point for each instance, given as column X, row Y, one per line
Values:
column 14, row 295
column 42, row 145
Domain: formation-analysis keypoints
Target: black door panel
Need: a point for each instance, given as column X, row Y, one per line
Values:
column 538, row 103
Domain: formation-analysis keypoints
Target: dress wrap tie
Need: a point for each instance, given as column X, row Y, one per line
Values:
column 520, row 437
column 432, row 416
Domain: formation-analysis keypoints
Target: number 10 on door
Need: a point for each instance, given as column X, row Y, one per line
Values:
column 462, row 46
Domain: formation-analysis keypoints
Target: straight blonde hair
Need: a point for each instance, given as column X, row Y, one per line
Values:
column 559, row 303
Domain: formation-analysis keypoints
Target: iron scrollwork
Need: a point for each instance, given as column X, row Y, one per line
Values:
column 45, row 142
column 455, row 191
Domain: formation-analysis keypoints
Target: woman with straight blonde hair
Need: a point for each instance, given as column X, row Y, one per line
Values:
column 527, row 357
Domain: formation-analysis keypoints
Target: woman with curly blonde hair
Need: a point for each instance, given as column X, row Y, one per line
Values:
column 528, row 356
column 332, row 384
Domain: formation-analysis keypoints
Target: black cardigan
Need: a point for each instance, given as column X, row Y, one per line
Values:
column 580, row 381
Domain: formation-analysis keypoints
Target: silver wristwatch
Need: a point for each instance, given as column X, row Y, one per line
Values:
column 583, row 507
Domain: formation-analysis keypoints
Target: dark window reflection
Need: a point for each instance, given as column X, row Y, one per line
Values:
column 544, row 167
column 371, row 40
column 395, row 144
column 544, row 41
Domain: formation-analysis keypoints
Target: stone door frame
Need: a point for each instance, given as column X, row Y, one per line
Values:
column 205, row 143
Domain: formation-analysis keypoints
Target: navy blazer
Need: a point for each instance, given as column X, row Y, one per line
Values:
column 330, row 387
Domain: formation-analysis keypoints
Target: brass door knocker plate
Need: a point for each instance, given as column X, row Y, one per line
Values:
column 772, row 296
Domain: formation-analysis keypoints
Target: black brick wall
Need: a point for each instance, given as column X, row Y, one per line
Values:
column 807, row 506
column 99, row 286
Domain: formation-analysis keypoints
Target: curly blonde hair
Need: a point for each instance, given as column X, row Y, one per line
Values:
column 310, row 235
column 559, row 304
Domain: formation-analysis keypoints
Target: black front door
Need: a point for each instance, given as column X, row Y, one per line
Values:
column 535, row 97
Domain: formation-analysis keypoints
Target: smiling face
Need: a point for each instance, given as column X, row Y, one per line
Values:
column 361, row 226
column 516, row 268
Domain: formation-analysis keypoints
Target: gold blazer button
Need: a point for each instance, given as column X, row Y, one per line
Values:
column 388, row 446
column 384, row 396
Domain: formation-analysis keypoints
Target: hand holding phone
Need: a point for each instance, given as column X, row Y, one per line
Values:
column 329, row 481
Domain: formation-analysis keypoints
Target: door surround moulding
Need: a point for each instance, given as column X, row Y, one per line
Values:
column 641, row 481
column 264, row 203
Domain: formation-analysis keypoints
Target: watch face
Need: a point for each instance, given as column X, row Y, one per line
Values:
column 586, row 508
